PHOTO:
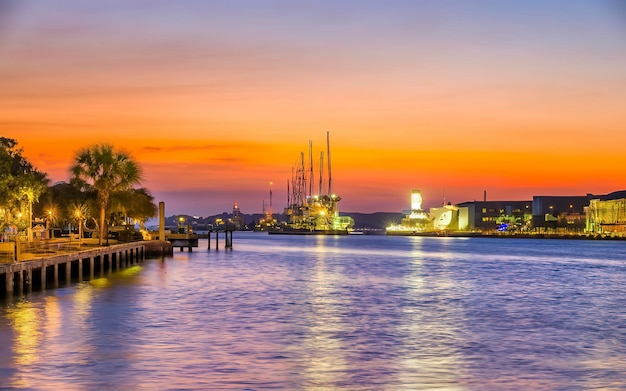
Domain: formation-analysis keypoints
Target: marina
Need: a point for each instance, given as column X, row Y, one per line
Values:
column 311, row 213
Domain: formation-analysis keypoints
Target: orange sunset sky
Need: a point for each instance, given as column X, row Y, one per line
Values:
column 216, row 99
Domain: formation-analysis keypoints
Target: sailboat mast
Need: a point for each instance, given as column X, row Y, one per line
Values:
column 301, row 182
column 321, row 171
column 330, row 191
column 311, row 168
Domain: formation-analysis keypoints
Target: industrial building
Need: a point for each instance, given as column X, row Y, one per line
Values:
column 497, row 215
column 588, row 214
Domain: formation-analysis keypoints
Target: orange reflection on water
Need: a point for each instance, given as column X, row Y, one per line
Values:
column 431, row 325
column 325, row 323
column 26, row 321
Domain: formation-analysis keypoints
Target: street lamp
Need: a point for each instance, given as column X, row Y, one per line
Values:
column 80, row 225
column 181, row 227
column 48, row 224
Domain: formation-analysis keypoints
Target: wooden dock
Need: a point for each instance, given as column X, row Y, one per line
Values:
column 75, row 266
column 182, row 240
column 190, row 240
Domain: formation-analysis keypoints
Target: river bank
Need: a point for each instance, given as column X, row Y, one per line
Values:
column 461, row 234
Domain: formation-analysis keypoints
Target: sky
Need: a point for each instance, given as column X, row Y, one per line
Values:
column 217, row 99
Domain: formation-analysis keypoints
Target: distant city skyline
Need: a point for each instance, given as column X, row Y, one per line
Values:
column 217, row 99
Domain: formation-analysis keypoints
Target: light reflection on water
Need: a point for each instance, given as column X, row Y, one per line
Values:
column 333, row 313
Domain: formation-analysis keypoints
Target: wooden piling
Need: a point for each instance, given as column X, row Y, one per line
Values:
column 68, row 272
column 43, row 277
column 56, row 275
column 9, row 277
column 228, row 236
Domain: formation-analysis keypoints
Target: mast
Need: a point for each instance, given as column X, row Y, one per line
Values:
column 301, row 181
column 310, row 168
column 321, row 171
column 330, row 191
column 271, row 211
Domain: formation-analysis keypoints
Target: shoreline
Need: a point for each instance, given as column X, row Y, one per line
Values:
column 509, row 236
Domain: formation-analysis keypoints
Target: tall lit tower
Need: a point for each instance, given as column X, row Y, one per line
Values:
column 416, row 205
column 416, row 200
column 237, row 218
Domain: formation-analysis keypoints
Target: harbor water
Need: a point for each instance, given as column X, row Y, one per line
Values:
column 355, row 312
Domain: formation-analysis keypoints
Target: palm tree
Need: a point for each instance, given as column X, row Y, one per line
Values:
column 105, row 171
column 136, row 204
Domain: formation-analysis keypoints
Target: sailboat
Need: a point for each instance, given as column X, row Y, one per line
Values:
column 313, row 214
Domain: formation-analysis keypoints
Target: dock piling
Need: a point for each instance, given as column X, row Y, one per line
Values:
column 228, row 239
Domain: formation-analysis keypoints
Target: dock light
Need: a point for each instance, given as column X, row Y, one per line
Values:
column 80, row 225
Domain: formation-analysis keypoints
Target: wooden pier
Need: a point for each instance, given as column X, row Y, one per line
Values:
column 189, row 241
column 228, row 239
column 182, row 240
column 39, row 273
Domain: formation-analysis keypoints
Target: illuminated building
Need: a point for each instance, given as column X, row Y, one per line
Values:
column 416, row 219
column 603, row 214
column 607, row 214
column 559, row 213
column 237, row 219
column 489, row 216
column 449, row 218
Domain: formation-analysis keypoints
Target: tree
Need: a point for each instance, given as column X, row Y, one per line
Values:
column 57, row 205
column 105, row 171
column 137, row 204
column 20, row 183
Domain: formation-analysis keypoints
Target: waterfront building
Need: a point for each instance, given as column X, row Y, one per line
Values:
column 607, row 214
column 237, row 220
column 489, row 216
column 450, row 218
column 415, row 219
column 596, row 214
column 560, row 213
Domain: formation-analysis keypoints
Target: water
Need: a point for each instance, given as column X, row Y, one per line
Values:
column 333, row 313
